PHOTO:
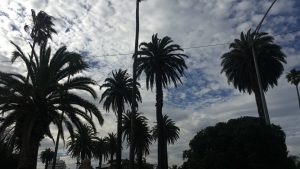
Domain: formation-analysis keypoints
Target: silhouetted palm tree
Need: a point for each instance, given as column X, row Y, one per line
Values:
column 118, row 92
column 82, row 143
column 293, row 77
column 47, row 156
column 40, row 30
column 163, row 63
column 238, row 64
column 171, row 133
column 111, row 140
column 143, row 136
column 30, row 107
column 100, row 150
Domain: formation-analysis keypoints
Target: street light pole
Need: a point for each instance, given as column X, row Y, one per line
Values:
column 262, row 95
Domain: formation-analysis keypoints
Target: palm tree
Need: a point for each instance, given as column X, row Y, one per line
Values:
column 118, row 92
column 143, row 136
column 100, row 150
column 82, row 143
column 163, row 63
column 46, row 156
column 111, row 141
column 171, row 133
column 40, row 30
column 293, row 77
column 238, row 64
column 30, row 107
column 134, row 105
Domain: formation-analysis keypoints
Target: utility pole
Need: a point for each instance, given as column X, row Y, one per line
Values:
column 262, row 95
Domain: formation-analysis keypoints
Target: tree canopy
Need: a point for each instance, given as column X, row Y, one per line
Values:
column 240, row 143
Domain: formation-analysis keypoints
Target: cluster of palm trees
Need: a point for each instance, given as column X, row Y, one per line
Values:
column 30, row 103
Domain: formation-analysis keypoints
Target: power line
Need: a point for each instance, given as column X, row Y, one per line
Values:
column 187, row 48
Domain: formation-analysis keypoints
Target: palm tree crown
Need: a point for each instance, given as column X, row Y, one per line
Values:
column 142, row 132
column 42, row 27
column 46, row 156
column 111, row 141
column 82, row 143
column 171, row 131
column 293, row 77
column 160, row 57
column 118, row 89
column 238, row 64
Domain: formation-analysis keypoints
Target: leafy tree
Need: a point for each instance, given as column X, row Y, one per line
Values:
column 143, row 136
column 163, row 63
column 238, row 64
column 171, row 133
column 118, row 92
column 47, row 156
column 82, row 143
column 100, row 150
column 111, row 140
column 240, row 143
column 293, row 77
column 31, row 106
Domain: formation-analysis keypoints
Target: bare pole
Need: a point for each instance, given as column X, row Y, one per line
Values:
column 262, row 95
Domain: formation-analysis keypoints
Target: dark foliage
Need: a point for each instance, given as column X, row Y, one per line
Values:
column 240, row 143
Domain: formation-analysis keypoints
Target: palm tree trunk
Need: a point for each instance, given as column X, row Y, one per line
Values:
column 259, row 105
column 166, row 154
column 119, row 135
column 140, row 158
column 28, row 152
column 159, row 118
column 134, row 104
column 46, row 165
column 100, row 162
column 298, row 95
column 111, row 159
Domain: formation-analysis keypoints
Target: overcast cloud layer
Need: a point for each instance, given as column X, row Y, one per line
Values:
column 101, row 30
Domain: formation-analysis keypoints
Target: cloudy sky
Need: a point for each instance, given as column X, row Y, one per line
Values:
column 103, row 32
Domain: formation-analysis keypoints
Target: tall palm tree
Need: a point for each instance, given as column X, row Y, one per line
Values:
column 293, row 77
column 100, row 150
column 134, row 105
column 118, row 92
column 46, row 156
column 82, row 143
column 111, row 141
column 143, row 136
column 163, row 63
column 171, row 133
column 238, row 64
column 30, row 107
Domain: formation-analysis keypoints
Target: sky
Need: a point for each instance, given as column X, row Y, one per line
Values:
column 103, row 31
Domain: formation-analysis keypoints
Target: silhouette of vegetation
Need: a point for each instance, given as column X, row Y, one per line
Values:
column 31, row 106
column 238, row 64
column 163, row 63
column 240, row 143
column 82, row 143
column 171, row 133
column 8, row 159
column 47, row 156
column 143, row 136
column 118, row 92
column 293, row 77
column 100, row 150
column 111, row 141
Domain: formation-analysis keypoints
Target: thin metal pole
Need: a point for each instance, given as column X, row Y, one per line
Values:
column 262, row 95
